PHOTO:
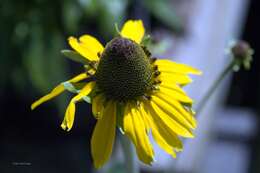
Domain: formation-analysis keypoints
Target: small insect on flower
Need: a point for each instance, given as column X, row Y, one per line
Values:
column 131, row 90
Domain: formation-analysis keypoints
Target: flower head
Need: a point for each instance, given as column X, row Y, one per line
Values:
column 242, row 54
column 131, row 90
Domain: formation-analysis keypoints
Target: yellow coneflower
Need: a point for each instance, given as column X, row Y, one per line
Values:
column 131, row 90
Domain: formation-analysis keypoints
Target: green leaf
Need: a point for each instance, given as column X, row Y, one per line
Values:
column 74, row 56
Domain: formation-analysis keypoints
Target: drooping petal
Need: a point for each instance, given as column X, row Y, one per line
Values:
column 166, row 139
column 168, row 121
column 98, row 106
column 134, row 30
column 68, row 120
column 156, row 135
column 78, row 78
column 164, row 135
column 145, row 118
column 177, row 109
column 87, row 46
column 57, row 90
column 104, row 135
column 162, row 142
column 134, row 128
column 176, row 78
column 171, row 111
column 169, row 85
column 176, row 95
column 169, row 66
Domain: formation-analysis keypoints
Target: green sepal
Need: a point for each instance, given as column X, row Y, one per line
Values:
column 117, row 30
column 188, row 108
column 69, row 87
column 247, row 62
column 236, row 68
column 79, row 85
column 74, row 56
column 87, row 99
column 87, row 67
column 146, row 40
column 236, row 65
column 187, row 105
column 120, row 109
column 75, row 88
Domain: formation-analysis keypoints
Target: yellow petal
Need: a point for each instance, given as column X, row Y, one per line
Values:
column 172, row 86
column 144, row 117
column 134, row 30
column 176, row 126
column 68, row 120
column 78, row 78
column 85, row 90
column 162, row 103
column 176, row 106
column 87, row 46
column 103, row 136
column 164, row 134
column 175, row 78
column 173, row 67
column 57, row 91
column 98, row 106
column 173, row 94
column 162, row 142
column 92, row 43
column 157, row 136
column 134, row 128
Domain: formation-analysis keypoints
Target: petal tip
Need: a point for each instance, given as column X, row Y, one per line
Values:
column 97, row 165
column 198, row 72
column 33, row 106
column 134, row 30
column 71, row 38
column 65, row 127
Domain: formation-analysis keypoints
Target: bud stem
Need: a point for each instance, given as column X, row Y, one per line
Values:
column 214, row 86
column 131, row 164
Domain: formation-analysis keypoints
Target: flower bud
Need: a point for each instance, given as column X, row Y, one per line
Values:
column 242, row 54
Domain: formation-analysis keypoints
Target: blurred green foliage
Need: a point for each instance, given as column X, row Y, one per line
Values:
column 164, row 11
column 34, row 31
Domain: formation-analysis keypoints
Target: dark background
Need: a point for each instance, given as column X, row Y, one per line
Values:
column 244, row 91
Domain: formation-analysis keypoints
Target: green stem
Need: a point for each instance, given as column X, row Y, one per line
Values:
column 214, row 86
column 131, row 166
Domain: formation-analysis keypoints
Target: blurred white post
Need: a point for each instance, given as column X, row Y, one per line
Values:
column 213, row 25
